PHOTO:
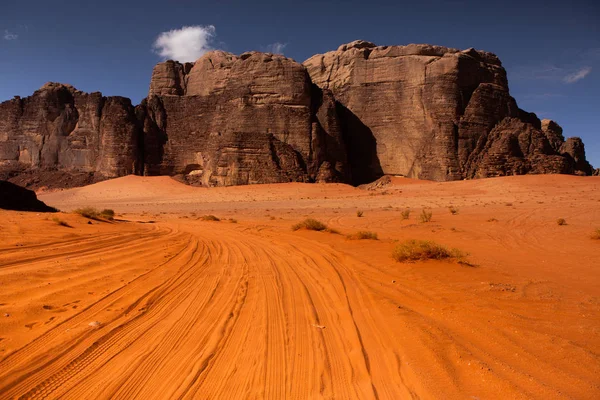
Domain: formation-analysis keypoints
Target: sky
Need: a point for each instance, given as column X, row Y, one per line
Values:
column 550, row 49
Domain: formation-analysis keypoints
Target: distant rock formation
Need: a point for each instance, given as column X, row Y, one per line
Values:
column 351, row 115
column 436, row 113
column 61, row 128
column 231, row 120
column 14, row 197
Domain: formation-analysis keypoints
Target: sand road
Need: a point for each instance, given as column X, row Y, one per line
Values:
column 163, row 305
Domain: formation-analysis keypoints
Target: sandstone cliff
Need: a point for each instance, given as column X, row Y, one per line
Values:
column 428, row 112
column 61, row 128
column 230, row 120
column 350, row 115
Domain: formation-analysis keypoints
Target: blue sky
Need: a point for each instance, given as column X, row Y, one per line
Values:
column 550, row 49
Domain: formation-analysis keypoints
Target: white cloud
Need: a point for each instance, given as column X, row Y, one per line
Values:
column 185, row 44
column 577, row 75
column 276, row 48
column 10, row 36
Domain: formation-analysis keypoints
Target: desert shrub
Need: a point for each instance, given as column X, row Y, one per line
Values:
column 60, row 222
column 310, row 224
column 561, row 221
column 233, row 220
column 425, row 215
column 88, row 212
column 596, row 234
column 359, row 213
column 418, row 250
column 492, row 220
column 361, row 235
column 107, row 213
column 453, row 210
column 209, row 217
column 332, row 230
column 405, row 214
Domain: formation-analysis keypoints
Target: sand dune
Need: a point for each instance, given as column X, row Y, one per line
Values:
column 161, row 304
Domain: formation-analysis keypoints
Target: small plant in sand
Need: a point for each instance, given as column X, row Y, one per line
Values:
column 561, row 221
column 108, row 214
column 359, row 213
column 453, row 210
column 92, row 213
column 492, row 220
column 362, row 235
column 405, row 213
column 419, row 250
column 425, row 215
column 209, row 217
column 596, row 234
column 310, row 224
column 233, row 220
column 332, row 230
column 60, row 222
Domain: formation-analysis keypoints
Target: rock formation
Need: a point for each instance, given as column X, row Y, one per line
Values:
column 14, row 197
column 61, row 128
column 350, row 115
column 421, row 111
column 231, row 120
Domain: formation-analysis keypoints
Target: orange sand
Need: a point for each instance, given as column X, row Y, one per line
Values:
column 184, row 308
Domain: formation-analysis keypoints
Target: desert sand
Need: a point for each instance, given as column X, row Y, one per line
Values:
column 160, row 304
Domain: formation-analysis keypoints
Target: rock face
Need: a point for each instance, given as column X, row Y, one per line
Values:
column 427, row 112
column 231, row 120
column 350, row 115
column 61, row 128
column 14, row 197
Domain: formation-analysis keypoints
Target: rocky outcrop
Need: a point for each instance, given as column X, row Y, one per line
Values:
column 61, row 128
column 422, row 111
column 231, row 120
column 17, row 198
column 350, row 115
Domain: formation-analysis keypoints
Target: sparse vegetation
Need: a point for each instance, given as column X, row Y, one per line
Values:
column 209, row 217
column 108, row 214
column 596, row 234
column 332, row 230
column 405, row 213
column 233, row 220
column 508, row 204
column 561, row 221
column 310, row 224
column 425, row 215
column 453, row 210
column 492, row 220
column 60, row 222
column 419, row 250
column 359, row 213
column 92, row 213
column 361, row 235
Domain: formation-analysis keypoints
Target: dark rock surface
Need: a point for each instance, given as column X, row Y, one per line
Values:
column 14, row 197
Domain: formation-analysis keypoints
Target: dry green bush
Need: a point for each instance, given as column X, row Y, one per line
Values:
column 561, row 221
column 405, row 214
column 361, row 235
column 453, row 210
column 418, row 250
column 425, row 215
column 359, row 213
column 60, row 222
column 332, row 230
column 233, row 220
column 93, row 213
column 310, row 224
column 209, row 217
